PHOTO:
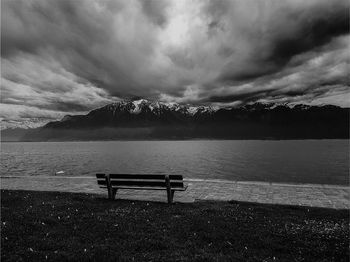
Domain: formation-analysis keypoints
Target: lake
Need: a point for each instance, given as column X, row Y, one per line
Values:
column 288, row 161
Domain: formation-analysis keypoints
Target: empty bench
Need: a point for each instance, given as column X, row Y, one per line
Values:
column 113, row 182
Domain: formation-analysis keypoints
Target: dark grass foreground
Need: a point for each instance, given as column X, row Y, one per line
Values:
column 37, row 226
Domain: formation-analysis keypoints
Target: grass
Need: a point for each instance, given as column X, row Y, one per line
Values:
column 39, row 226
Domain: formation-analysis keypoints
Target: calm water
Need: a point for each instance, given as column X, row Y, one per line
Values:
column 302, row 161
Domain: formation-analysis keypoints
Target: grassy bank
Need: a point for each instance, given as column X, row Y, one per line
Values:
column 55, row 226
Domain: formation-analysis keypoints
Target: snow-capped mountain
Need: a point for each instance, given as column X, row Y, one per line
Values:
column 137, row 113
column 143, row 113
column 156, row 108
column 143, row 119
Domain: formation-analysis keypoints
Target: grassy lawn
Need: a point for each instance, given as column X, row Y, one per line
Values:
column 53, row 226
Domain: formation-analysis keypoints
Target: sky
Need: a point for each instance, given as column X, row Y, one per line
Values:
column 71, row 56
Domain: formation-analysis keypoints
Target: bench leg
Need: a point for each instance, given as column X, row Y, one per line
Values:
column 109, row 188
column 168, row 193
column 172, row 195
column 114, row 192
column 111, row 193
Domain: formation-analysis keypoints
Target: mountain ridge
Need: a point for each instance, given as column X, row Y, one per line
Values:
column 143, row 119
column 135, row 107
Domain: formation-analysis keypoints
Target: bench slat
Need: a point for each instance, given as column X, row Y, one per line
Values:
column 145, row 176
column 100, row 175
column 145, row 183
column 141, row 183
column 175, row 177
column 139, row 177
column 144, row 180
column 151, row 188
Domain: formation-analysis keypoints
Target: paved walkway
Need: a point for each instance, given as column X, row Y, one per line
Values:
column 331, row 196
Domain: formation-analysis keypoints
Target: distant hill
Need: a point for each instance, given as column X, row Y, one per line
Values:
column 144, row 119
column 13, row 134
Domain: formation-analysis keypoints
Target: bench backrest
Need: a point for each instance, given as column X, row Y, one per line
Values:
column 140, row 180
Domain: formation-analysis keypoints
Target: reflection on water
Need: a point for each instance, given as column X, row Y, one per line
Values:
column 302, row 161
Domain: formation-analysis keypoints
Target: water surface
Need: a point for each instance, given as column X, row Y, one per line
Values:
column 291, row 161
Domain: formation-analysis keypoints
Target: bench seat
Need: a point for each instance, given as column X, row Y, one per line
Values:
column 113, row 182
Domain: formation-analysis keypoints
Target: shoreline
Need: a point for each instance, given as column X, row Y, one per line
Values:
column 328, row 196
column 249, row 182
column 181, row 139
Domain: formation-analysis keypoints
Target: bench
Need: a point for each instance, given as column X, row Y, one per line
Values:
column 113, row 182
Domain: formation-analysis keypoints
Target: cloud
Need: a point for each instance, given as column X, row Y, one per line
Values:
column 23, row 116
column 35, row 81
column 305, row 78
column 155, row 10
column 72, row 56
column 277, row 31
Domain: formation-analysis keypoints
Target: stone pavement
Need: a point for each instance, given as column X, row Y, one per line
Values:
column 331, row 196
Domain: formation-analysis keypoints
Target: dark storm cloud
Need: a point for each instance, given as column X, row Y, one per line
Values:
column 71, row 56
column 155, row 11
column 314, row 29
column 85, row 37
column 243, row 97
column 298, row 31
column 306, row 78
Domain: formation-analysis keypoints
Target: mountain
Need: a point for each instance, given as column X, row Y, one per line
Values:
column 13, row 134
column 144, row 119
column 140, row 113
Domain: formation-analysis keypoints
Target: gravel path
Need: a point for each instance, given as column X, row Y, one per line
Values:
column 330, row 196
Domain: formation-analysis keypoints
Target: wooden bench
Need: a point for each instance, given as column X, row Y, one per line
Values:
column 113, row 182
